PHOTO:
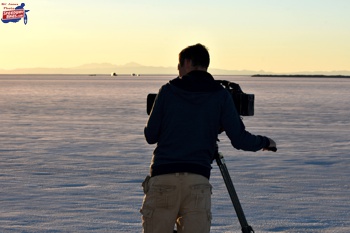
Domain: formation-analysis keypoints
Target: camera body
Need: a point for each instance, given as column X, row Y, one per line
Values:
column 244, row 103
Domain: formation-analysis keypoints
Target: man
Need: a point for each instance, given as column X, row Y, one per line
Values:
column 187, row 116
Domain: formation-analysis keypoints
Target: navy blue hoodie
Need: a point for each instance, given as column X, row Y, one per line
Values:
column 186, row 118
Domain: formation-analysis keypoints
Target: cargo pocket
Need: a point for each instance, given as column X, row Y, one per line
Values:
column 147, row 222
column 201, row 196
column 145, row 185
column 164, row 195
column 147, row 213
column 210, row 216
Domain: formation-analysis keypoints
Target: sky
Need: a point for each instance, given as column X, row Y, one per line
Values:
column 269, row 35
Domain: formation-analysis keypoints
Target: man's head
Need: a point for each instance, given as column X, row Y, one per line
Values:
column 194, row 57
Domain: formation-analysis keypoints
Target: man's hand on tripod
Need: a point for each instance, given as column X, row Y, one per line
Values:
column 272, row 146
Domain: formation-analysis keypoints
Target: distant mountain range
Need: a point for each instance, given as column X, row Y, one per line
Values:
column 135, row 68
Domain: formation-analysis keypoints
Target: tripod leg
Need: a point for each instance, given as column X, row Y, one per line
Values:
column 233, row 195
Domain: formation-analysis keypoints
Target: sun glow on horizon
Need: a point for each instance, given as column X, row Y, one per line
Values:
column 273, row 36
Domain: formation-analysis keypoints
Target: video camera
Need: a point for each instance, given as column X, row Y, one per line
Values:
column 244, row 103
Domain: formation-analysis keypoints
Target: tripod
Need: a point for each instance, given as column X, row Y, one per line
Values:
column 232, row 192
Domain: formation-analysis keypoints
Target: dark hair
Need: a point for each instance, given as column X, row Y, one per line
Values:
column 197, row 53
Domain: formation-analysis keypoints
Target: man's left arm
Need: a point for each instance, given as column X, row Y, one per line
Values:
column 153, row 126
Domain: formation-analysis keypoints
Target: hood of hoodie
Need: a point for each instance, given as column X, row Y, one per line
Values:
column 196, row 86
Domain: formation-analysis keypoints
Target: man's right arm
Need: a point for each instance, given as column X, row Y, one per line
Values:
column 234, row 127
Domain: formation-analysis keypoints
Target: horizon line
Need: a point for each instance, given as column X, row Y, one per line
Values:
column 152, row 70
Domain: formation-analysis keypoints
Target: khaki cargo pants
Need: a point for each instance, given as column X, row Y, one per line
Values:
column 183, row 199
